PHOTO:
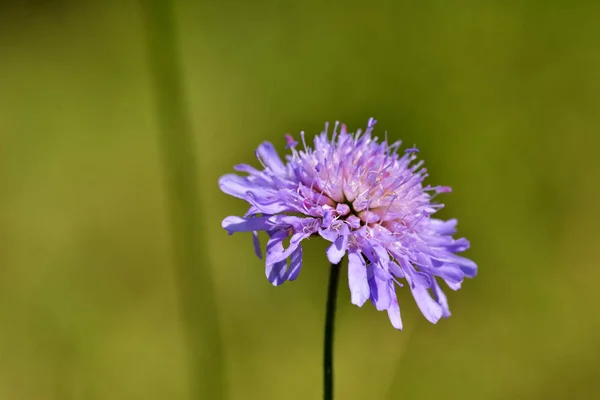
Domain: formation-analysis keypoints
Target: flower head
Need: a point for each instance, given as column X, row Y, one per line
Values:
column 369, row 201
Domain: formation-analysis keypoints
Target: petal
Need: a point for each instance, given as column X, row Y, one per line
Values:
column 276, row 273
column 468, row 267
column 276, row 270
column 268, row 155
column 295, row 263
column 246, row 168
column 380, row 293
column 239, row 224
column 441, row 299
column 353, row 221
column 414, row 277
column 443, row 227
column 382, row 273
column 328, row 217
column 300, row 224
column 275, row 247
column 429, row 308
column 376, row 254
column 235, row 185
column 294, row 243
column 454, row 286
column 369, row 252
column 268, row 204
column 342, row 209
column 394, row 314
column 329, row 234
column 336, row 251
column 395, row 269
column 256, row 244
column 459, row 245
column 449, row 272
column 357, row 278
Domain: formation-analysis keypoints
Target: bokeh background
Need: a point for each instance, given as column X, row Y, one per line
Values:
column 502, row 98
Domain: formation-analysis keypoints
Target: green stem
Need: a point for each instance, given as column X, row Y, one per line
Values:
column 334, row 275
column 194, row 280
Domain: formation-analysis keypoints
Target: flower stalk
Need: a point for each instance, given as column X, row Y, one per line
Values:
column 334, row 275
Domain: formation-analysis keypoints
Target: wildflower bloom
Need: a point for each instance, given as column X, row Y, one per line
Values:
column 365, row 198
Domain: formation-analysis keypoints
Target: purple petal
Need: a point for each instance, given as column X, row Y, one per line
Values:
column 329, row 234
column 336, row 251
column 429, row 308
column 268, row 204
column 380, row 294
column 342, row 209
column 382, row 273
column 295, row 263
column 298, row 223
column 239, row 224
column 275, row 247
column 395, row 269
column 353, row 221
column 443, row 227
column 394, row 313
column 328, row 218
column 459, row 245
column 449, row 273
column 414, row 277
column 256, row 244
column 276, row 269
column 441, row 299
column 294, row 243
column 454, row 286
column 357, row 278
column 468, row 267
column 382, row 254
column 276, row 273
column 246, row 168
column 236, row 185
column 369, row 216
column 268, row 155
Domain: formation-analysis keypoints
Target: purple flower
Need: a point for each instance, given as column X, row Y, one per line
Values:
column 369, row 202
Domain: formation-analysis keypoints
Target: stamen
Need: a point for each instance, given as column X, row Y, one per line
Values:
column 419, row 220
column 394, row 146
column 388, row 207
column 291, row 143
column 324, row 186
column 356, row 136
column 334, row 132
column 314, row 177
column 303, row 141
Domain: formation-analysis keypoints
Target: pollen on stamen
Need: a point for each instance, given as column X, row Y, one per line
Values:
column 291, row 143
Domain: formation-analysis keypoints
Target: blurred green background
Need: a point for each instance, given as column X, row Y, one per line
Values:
column 502, row 98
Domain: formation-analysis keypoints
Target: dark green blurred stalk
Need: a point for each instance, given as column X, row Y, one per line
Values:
column 194, row 278
column 334, row 277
